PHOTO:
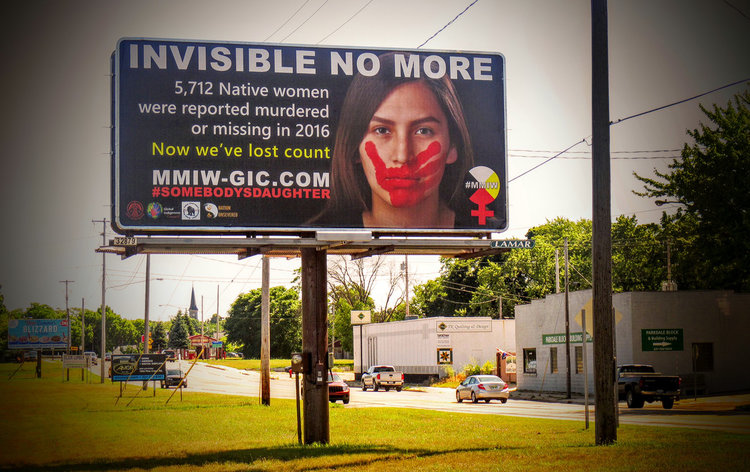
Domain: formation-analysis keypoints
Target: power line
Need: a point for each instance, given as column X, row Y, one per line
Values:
column 287, row 20
column 678, row 102
column 548, row 160
column 738, row 10
column 448, row 24
column 345, row 22
column 306, row 20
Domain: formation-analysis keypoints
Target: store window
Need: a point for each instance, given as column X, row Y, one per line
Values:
column 529, row 361
column 553, row 360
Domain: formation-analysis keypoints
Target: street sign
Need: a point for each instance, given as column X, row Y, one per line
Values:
column 668, row 339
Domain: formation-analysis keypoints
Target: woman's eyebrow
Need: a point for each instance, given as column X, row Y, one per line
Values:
column 386, row 121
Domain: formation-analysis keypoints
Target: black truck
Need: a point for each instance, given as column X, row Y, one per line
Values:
column 639, row 383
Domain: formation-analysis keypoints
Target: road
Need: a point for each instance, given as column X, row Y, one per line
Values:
column 712, row 413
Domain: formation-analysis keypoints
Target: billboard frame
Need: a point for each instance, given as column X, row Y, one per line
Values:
column 118, row 199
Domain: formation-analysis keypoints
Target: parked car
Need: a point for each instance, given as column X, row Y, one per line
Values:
column 171, row 355
column 382, row 376
column 29, row 356
column 92, row 356
column 639, row 383
column 337, row 389
column 482, row 387
column 173, row 378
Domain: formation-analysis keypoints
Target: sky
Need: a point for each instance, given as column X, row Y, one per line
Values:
column 55, row 158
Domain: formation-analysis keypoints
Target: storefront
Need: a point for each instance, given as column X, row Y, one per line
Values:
column 698, row 335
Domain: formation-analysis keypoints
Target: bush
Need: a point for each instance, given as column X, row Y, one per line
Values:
column 488, row 368
column 471, row 369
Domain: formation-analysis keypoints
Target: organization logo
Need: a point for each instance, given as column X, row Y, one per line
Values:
column 134, row 210
column 191, row 211
column 154, row 210
column 482, row 186
column 212, row 211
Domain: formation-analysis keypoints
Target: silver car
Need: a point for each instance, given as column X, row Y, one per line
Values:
column 482, row 387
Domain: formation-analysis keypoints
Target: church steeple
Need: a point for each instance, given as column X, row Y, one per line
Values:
column 193, row 306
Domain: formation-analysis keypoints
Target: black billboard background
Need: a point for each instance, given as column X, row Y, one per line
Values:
column 137, row 209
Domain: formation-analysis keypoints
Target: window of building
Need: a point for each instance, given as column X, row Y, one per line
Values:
column 553, row 360
column 579, row 359
column 529, row 361
column 703, row 357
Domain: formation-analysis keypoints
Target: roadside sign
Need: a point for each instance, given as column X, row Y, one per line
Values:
column 126, row 367
column 361, row 317
column 668, row 339
column 37, row 334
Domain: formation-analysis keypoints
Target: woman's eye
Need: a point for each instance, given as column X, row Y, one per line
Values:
column 380, row 130
column 425, row 131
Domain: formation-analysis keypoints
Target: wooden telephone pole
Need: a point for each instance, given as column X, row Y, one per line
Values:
column 604, row 361
column 315, row 346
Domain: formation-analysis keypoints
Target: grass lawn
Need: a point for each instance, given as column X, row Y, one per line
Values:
column 254, row 364
column 53, row 425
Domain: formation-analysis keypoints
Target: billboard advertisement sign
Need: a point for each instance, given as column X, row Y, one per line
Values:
column 37, row 334
column 215, row 137
column 127, row 367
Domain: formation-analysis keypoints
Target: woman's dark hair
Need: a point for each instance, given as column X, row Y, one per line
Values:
column 350, row 193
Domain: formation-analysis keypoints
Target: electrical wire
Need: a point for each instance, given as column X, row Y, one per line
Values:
column 548, row 160
column 679, row 102
column 306, row 20
column 448, row 24
column 287, row 20
column 345, row 22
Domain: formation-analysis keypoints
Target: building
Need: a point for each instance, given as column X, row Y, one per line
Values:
column 422, row 348
column 698, row 335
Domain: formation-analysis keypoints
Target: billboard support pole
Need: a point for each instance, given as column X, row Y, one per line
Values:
column 265, row 334
column 315, row 346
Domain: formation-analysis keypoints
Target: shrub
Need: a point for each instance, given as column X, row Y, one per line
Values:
column 488, row 368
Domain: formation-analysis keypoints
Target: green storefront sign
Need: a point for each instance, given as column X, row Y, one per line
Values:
column 559, row 338
column 666, row 339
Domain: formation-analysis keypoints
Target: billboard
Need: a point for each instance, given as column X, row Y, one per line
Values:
column 37, row 334
column 212, row 137
column 127, row 367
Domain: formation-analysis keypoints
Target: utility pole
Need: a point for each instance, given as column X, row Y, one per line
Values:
column 83, row 326
column 146, row 312
column 147, row 333
column 557, row 270
column 67, row 311
column 604, row 361
column 567, row 323
column 265, row 338
column 406, row 274
column 104, row 294
column 67, row 317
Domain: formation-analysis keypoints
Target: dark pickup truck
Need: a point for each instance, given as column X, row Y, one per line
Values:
column 639, row 383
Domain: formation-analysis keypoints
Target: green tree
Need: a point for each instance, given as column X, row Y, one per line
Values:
column 342, row 302
column 243, row 323
column 178, row 334
column 158, row 333
column 710, row 182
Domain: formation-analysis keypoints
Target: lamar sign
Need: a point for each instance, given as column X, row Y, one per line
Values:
column 215, row 137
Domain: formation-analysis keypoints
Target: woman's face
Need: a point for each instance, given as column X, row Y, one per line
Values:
column 406, row 146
